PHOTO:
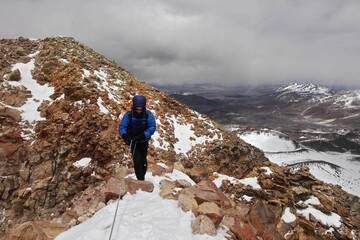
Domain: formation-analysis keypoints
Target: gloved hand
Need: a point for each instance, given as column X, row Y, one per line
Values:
column 126, row 139
column 140, row 137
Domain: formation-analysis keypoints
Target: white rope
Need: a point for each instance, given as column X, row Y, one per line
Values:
column 118, row 200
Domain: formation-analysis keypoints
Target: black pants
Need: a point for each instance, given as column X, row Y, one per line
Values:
column 139, row 151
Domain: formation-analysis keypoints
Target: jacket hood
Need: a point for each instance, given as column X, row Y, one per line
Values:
column 139, row 101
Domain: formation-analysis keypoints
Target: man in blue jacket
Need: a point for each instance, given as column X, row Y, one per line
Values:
column 136, row 128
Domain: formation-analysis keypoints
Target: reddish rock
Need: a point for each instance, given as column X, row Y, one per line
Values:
column 135, row 185
column 115, row 188
column 197, row 173
column 38, row 230
column 211, row 210
column 167, row 189
column 241, row 229
column 187, row 202
column 300, row 190
column 203, row 225
column 182, row 183
column 178, row 166
column 157, row 170
column 8, row 149
column 10, row 113
column 206, row 191
column 261, row 216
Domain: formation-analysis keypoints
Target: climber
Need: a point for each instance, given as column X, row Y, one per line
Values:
column 136, row 128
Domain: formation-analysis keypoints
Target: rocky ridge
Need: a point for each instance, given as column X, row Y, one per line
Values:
column 83, row 94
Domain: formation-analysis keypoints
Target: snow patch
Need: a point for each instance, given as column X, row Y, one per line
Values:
column 330, row 220
column 186, row 137
column 246, row 198
column 86, row 73
column 82, row 163
column 251, row 181
column 268, row 141
column 288, row 217
column 101, row 106
column 64, row 60
column 267, row 170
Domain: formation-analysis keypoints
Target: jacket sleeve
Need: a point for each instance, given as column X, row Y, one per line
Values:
column 124, row 124
column 151, row 126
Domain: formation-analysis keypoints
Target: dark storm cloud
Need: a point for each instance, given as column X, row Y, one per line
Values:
column 252, row 41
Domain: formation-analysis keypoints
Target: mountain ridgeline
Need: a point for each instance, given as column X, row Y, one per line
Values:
column 60, row 103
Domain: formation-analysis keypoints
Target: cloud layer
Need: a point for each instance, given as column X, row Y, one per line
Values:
column 228, row 42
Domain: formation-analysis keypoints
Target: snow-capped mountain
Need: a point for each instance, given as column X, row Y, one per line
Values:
column 61, row 161
column 298, row 92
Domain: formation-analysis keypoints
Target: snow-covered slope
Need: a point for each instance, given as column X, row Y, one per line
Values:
column 337, row 168
column 298, row 92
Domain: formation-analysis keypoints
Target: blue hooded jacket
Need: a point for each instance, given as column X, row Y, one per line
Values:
column 133, row 123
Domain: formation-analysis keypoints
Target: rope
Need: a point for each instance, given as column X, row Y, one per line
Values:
column 118, row 200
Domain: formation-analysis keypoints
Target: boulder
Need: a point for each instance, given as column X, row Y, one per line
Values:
column 261, row 216
column 241, row 229
column 15, row 75
column 187, row 202
column 36, row 230
column 206, row 191
column 135, row 185
column 167, row 189
column 157, row 170
column 10, row 113
column 203, row 225
column 211, row 210
column 115, row 188
column 178, row 166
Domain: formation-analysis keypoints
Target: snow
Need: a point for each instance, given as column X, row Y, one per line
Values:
column 330, row 167
column 268, row 141
column 33, row 54
column 186, row 137
column 101, row 105
column 82, row 163
column 103, row 85
column 288, row 217
column 100, row 74
column 330, row 220
column 157, row 140
column 64, row 60
column 246, row 198
column 251, row 181
column 308, row 88
column 141, row 216
column 347, row 99
column 267, row 170
column 86, row 73
column 39, row 92
column 312, row 201
column 220, row 177
column 325, row 166
column 330, row 230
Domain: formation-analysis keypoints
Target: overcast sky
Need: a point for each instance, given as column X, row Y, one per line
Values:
column 240, row 41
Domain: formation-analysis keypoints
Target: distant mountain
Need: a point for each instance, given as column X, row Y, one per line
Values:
column 298, row 92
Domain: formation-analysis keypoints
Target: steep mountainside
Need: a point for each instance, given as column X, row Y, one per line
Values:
column 60, row 104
